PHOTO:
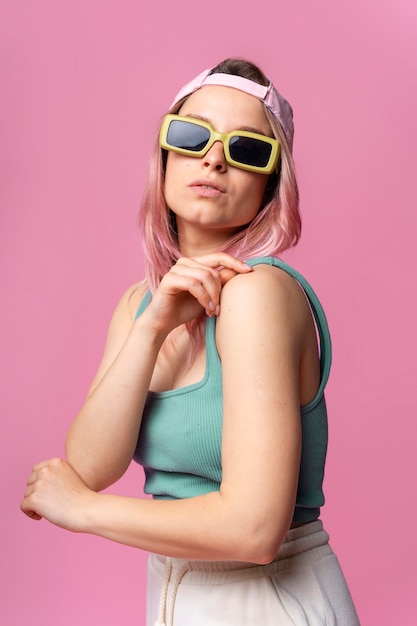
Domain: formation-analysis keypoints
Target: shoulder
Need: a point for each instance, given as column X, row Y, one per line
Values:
column 266, row 286
column 266, row 305
column 124, row 313
column 266, row 315
column 130, row 300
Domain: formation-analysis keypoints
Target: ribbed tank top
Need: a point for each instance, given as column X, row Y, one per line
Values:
column 179, row 443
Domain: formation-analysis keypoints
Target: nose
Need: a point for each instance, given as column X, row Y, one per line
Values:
column 215, row 157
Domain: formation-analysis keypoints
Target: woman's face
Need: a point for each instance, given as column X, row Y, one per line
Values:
column 210, row 198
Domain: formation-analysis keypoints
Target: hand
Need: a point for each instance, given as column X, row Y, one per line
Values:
column 191, row 286
column 56, row 492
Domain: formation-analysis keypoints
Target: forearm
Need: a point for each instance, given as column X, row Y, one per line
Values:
column 101, row 441
column 240, row 523
column 207, row 527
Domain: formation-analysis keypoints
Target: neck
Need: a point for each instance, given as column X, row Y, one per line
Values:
column 199, row 242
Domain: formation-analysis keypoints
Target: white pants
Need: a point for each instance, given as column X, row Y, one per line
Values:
column 304, row 586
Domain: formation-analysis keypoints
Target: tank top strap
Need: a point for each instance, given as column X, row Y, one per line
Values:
column 318, row 314
column 143, row 304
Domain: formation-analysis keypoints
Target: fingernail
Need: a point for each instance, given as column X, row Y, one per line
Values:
column 211, row 306
column 217, row 310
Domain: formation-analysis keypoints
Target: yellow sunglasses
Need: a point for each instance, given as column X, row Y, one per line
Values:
column 243, row 149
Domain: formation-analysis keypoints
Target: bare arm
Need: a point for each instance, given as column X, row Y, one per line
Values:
column 102, row 439
column 261, row 338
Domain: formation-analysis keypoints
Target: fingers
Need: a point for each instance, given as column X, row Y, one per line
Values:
column 191, row 286
column 39, row 471
column 222, row 260
column 29, row 512
column 201, row 281
column 226, row 275
column 206, row 276
column 27, row 505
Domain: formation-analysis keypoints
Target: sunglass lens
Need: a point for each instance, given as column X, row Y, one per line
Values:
column 250, row 151
column 187, row 135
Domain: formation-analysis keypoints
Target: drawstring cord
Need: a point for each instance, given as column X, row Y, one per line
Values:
column 163, row 600
column 167, row 605
column 173, row 595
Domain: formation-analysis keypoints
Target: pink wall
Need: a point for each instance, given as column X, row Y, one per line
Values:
column 77, row 125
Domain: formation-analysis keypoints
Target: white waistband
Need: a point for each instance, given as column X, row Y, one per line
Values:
column 306, row 542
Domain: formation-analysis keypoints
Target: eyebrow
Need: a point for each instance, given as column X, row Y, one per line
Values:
column 250, row 129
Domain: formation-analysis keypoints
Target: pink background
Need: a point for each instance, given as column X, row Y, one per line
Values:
column 83, row 85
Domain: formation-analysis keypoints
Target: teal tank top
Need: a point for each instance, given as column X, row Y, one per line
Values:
column 179, row 444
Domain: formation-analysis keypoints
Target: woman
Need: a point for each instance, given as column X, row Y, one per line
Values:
column 206, row 366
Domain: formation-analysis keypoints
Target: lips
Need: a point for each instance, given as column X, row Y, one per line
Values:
column 209, row 185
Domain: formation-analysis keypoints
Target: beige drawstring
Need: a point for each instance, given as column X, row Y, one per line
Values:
column 163, row 600
column 167, row 604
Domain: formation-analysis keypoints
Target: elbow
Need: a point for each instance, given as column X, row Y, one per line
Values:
column 86, row 476
column 260, row 554
column 95, row 474
column 253, row 534
column 84, row 471
column 259, row 546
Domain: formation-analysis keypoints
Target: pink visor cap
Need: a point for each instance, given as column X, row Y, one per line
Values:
column 280, row 108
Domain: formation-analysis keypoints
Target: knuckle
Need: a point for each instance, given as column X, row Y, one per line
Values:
column 195, row 282
column 43, row 473
column 208, row 273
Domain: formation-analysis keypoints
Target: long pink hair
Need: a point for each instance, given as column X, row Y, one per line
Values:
column 276, row 227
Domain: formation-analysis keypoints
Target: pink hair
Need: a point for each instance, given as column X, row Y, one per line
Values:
column 276, row 227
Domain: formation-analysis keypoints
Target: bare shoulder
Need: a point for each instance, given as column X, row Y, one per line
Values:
column 128, row 304
column 266, row 287
column 266, row 313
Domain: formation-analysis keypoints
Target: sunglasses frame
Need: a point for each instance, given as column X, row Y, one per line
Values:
column 225, row 139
